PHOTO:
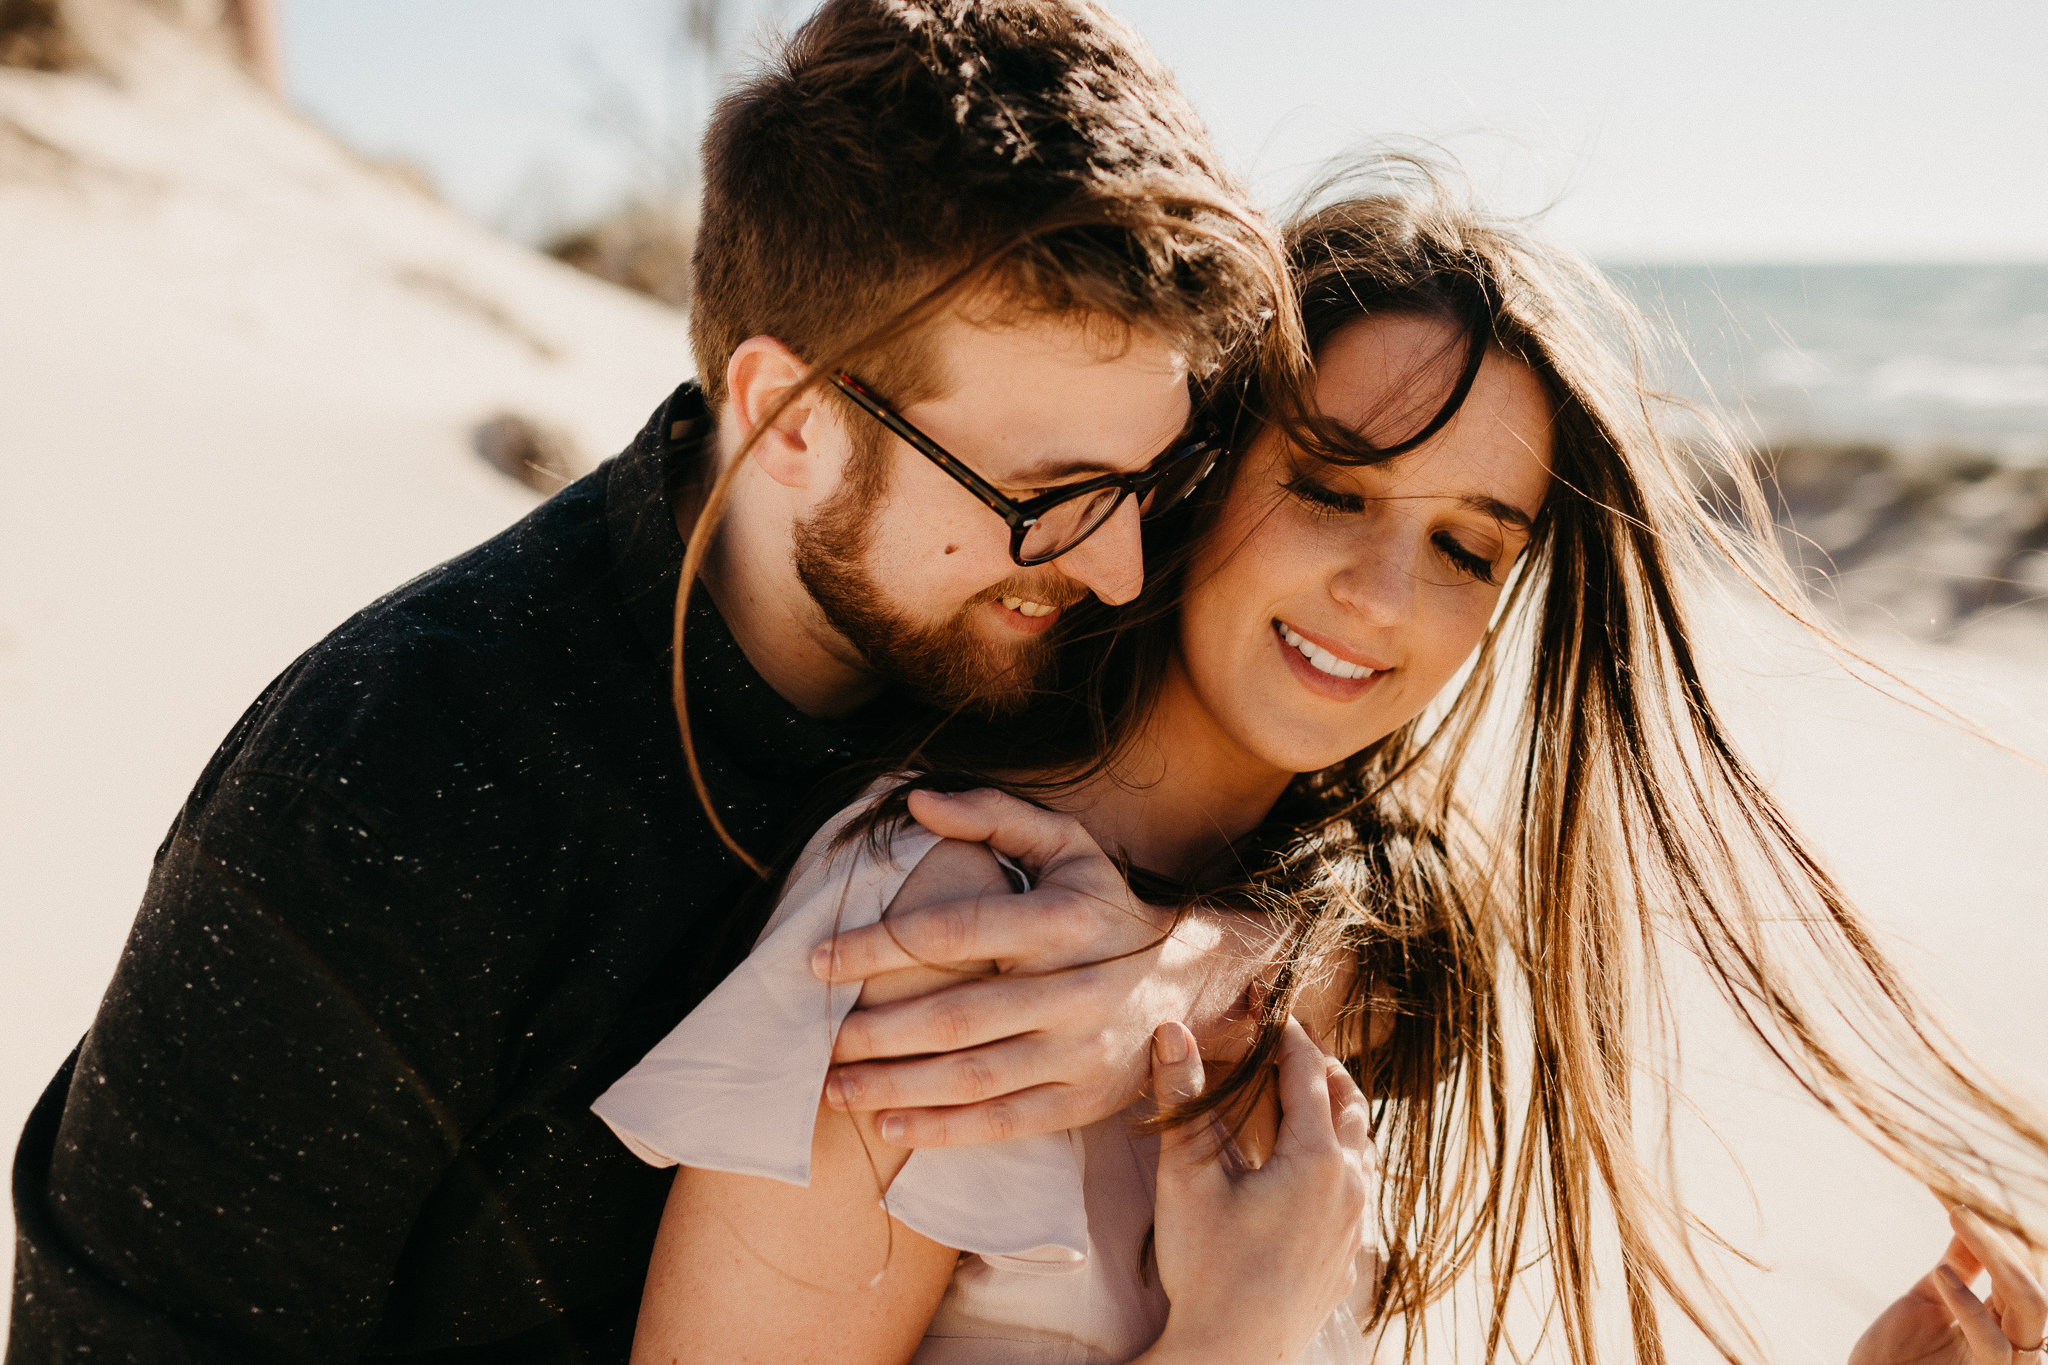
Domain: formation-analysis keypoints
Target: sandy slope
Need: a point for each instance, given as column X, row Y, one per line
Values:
column 238, row 372
column 237, row 376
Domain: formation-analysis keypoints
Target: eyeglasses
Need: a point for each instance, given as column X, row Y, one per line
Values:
column 1045, row 527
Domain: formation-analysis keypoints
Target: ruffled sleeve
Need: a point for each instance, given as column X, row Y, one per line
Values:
column 735, row 1086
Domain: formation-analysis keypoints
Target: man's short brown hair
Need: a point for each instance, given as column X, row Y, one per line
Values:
column 896, row 147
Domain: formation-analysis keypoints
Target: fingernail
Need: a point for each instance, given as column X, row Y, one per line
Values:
column 835, row 1091
column 939, row 796
column 1170, row 1043
column 824, row 961
column 1953, row 1280
column 892, row 1129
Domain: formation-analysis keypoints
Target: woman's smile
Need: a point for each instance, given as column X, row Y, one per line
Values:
column 1372, row 583
column 1324, row 666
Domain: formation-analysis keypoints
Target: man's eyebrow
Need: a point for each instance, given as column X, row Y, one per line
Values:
column 1051, row 471
column 1507, row 514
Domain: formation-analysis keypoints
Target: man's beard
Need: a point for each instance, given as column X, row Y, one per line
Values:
column 946, row 665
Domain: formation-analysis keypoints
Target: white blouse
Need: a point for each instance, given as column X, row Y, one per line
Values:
column 1051, row 1228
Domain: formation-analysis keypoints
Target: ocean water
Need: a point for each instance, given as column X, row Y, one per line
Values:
column 1919, row 358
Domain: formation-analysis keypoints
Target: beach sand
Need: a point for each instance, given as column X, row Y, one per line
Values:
column 239, row 371
column 1942, row 840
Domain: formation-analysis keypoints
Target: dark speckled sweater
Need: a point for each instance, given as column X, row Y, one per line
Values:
column 444, row 882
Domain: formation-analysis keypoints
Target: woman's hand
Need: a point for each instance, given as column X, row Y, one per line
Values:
column 1253, row 1261
column 1940, row 1322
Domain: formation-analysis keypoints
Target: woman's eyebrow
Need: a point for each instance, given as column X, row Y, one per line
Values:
column 1507, row 514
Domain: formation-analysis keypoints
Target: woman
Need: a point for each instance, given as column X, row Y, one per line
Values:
column 1374, row 537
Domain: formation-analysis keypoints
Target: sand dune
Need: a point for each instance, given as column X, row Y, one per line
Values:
column 239, row 373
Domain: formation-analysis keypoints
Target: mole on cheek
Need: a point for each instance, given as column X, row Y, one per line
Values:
column 951, row 548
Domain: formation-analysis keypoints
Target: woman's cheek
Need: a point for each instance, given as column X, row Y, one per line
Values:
column 1444, row 649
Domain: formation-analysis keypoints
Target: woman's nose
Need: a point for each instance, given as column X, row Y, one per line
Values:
column 1379, row 584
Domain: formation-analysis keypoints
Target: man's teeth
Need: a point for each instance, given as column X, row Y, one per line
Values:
column 1026, row 607
column 1322, row 659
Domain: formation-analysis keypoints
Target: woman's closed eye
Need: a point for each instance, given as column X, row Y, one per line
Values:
column 1324, row 502
column 1466, row 561
column 1328, row 503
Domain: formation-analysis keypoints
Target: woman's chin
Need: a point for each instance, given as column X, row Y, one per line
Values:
column 1306, row 752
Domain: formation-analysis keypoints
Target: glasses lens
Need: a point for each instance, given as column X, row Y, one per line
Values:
column 1188, row 466
column 1059, row 529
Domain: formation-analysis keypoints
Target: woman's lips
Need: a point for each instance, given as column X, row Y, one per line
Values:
column 1318, row 680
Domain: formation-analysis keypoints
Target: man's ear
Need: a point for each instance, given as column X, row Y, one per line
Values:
column 760, row 376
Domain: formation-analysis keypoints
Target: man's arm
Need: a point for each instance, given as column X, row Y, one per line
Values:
column 277, row 1079
column 1062, row 1038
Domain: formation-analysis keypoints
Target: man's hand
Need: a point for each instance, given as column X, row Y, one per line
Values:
column 1062, row 1036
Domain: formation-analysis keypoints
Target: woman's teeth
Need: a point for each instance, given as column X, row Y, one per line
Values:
column 1025, row 607
column 1322, row 659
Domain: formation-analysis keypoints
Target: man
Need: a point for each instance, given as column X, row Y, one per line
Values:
column 450, row 875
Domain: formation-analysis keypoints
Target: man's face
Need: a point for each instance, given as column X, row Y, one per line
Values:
column 916, row 573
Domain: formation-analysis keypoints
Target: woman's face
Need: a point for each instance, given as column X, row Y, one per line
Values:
column 1329, row 604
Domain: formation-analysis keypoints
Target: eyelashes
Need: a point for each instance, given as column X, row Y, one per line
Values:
column 1328, row 504
column 1448, row 546
column 1324, row 501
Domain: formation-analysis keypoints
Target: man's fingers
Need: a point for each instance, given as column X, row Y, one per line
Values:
column 949, row 1079
column 1041, row 1109
column 963, row 1016
column 1987, row 1339
column 1037, row 838
column 1052, row 926
column 1307, row 1124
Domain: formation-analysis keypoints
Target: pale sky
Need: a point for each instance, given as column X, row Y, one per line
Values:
column 1741, row 130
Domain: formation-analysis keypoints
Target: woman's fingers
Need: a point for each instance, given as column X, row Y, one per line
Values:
column 1994, row 1251
column 1989, row 1344
column 1963, row 1260
column 1352, row 1119
column 2015, row 1283
column 1187, row 1151
column 1307, row 1118
column 1177, row 1075
column 1349, row 1113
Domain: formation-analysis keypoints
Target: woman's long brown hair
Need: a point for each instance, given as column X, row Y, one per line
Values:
column 1520, row 874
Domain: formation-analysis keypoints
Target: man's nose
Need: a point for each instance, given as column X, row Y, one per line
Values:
column 1110, row 563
